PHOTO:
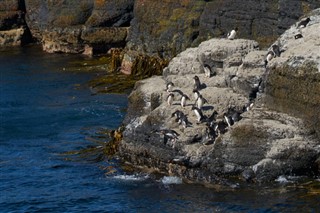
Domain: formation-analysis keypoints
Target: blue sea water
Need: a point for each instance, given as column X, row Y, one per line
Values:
column 47, row 111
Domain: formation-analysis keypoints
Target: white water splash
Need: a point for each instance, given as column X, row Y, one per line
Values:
column 134, row 177
column 282, row 179
column 171, row 180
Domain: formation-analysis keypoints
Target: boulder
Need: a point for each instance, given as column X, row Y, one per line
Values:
column 273, row 136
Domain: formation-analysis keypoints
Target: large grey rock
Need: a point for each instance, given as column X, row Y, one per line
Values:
column 267, row 142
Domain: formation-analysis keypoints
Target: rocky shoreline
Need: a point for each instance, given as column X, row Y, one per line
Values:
column 273, row 138
column 280, row 132
column 142, row 29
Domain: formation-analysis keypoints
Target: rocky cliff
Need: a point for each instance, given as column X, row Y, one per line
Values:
column 13, row 28
column 157, row 28
column 165, row 28
column 259, row 122
column 88, row 26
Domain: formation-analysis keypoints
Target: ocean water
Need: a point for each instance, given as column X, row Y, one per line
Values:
column 48, row 119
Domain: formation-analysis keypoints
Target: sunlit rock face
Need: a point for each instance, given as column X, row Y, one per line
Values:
column 278, row 134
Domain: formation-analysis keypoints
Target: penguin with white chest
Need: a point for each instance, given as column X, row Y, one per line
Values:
column 303, row 23
column 201, row 101
column 198, row 113
column 231, row 35
column 184, row 99
column 169, row 87
column 170, row 98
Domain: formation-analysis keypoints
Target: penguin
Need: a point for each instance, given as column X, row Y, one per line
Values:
column 231, row 35
column 207, row 70
column 170, row 99
column 196, row 94
column 178, row 114
column 247, row 107
column 297, row 36
column 213, row 117
column 196, row 83
column 184, row 121
column 269, row 57
column 211, row 135
column 303, row 23
column 169, row 134
column 201, row 101
column 169, row 87
column 276, row 50
column 184, row 99
column 221, row 127
column 227, row 119
column 198, row 113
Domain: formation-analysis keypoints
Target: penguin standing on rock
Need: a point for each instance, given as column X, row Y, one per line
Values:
column 207, row 70
column 198, row 113
column 297, row 36
column 196, row 94
column 276, row 50
column 184, row 121
column 170, row 99
column 231, row 35
column 178, row 114
column 169, row 87
column 201, row 101
column 184, row 99
column 303, row 23
column 196, row 83
column 169, row 134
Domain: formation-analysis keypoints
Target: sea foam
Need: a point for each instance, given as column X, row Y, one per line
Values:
column 171, row 180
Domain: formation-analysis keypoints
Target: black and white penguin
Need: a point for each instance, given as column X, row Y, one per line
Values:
column 170, row 99
column 269, row 57
column 247, row 107
column 184, row 121
column 196, row 94
column 184, row 99
column 207, row 70
column 303, row 23
column 220, row 127
column 227, row 119
column 170, row 85
column 169, row 134
column 276, row 50
column 178, row 114
column 211, row 135
column 198, row 113
column 231, row 35
column 297, row 36
column 196, row 83
column 201, row 101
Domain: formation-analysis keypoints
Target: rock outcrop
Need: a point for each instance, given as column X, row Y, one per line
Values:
column 86, row 26
column 13, row 29
column 165, row 29
column 277, row 132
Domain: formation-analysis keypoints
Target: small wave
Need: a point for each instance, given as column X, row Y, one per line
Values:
column 134, row 177
column 171, row 180
column 282, row 179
